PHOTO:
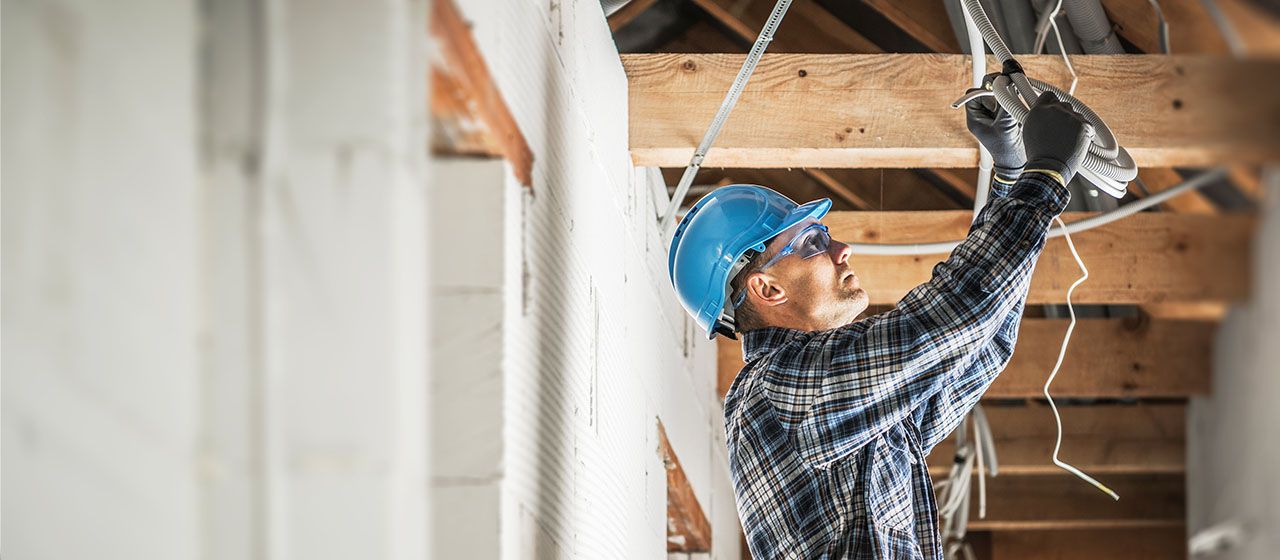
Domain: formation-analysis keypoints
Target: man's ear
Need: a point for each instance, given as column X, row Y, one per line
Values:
column 765, row 290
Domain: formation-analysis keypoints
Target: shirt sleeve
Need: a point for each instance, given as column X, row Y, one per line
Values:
column 965, row 315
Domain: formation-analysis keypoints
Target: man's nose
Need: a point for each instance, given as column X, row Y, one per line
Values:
column 840, row 252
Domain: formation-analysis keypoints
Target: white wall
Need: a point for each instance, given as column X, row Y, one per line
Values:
column 1233, row 461
column 594, row 347
column 101, row 317
column 214, row 317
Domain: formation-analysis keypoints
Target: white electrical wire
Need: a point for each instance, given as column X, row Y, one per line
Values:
column 1062, row 353
column 978, row 54
column 1043, row 32
column 909, row 249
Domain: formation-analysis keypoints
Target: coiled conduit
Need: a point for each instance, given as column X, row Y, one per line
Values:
column 1107, row 165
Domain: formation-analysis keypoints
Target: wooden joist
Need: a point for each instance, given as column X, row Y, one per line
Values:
column 1101, row 439
column 893, row 110
column 1106, row 358
column 1145, row 258
column 1163, row 543
column 687, row 527
column 1062, row 501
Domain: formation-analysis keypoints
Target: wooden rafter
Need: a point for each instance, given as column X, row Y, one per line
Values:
column 808, row 27
column 925, row 20
column 1159, row 179
column 894, row 110
column 1114, row 358
column 687, row 527
column 622, row 17
column 468, row 112
column 1192, row 30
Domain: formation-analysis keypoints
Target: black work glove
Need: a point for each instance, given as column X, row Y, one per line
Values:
column 1056, row 136
column 997, row 130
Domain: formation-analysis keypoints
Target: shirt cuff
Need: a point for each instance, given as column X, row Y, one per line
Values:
column 1043, row 189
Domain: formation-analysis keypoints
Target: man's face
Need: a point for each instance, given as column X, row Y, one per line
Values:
column 818, row 293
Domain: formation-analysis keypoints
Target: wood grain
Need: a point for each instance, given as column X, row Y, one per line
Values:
column 687, row 527
column 1103, row 438
column 893, row 110
column 1107, row 358
column 1145, row 258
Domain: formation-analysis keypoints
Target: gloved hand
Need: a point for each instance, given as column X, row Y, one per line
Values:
column 1056, row 136
column 997, row 130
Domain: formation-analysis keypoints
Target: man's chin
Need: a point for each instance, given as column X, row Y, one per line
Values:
column 858, row 300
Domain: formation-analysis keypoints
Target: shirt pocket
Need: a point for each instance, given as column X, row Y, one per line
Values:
column 889, row 488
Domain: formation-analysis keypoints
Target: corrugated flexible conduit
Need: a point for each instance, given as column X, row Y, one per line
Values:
column 1107, row 165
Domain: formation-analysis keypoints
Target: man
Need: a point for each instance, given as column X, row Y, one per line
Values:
column 830, row 420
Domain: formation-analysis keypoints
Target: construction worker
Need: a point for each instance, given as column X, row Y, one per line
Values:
column 829, row 422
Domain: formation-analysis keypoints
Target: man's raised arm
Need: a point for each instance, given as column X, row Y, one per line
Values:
column 910, row 355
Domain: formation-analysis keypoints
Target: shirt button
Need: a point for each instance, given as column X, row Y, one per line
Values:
column 1025, row 243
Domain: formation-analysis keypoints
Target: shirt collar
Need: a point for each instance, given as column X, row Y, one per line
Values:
column 758, row 342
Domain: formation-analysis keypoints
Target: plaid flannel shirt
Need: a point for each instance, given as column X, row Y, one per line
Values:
column 828, row 430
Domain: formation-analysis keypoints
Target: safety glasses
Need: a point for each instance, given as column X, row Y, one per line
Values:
column 810, row 242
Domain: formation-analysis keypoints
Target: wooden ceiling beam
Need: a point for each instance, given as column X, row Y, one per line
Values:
column 1100, row 439
column 1062, row 501
column 1117, row 543
column 810, row 29
column 1145, row 258
column 1108, row 358
column 893, row 110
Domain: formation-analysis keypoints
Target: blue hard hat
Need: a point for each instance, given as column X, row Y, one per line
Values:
column 720, row 235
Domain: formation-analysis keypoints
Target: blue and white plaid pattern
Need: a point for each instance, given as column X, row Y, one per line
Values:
column 828, row 431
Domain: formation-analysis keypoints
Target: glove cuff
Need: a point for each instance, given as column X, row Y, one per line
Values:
column 1053, row 167
column 1007, row 174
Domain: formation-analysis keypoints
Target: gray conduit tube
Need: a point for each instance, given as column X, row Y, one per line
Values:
column 985, row 163
column 1092, row 27
column 1107, row 165
column 901, row 249
column 1020, row 23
